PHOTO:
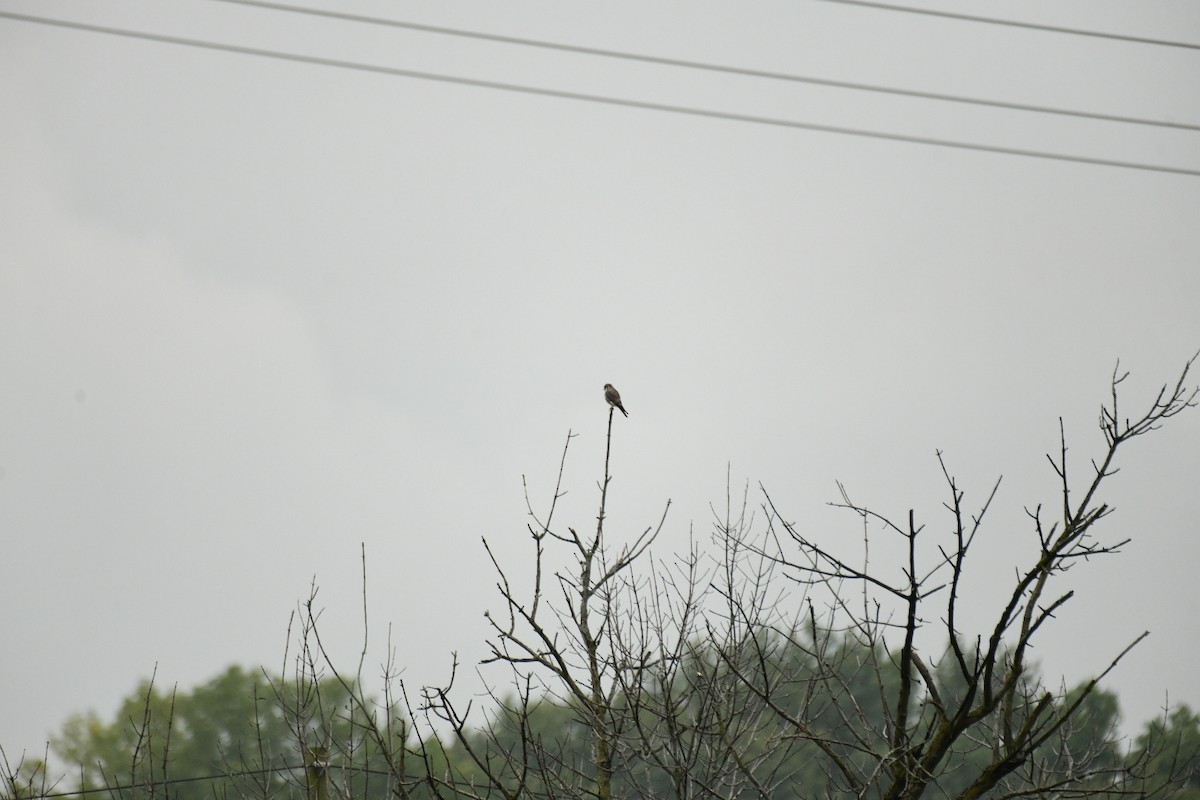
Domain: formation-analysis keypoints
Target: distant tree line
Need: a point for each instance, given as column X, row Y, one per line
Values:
column 240, row 739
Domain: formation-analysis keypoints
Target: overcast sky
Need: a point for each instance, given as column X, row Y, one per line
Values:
column 256, row 315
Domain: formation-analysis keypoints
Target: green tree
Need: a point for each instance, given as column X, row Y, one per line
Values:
column 241, row 733
column 1166, row 756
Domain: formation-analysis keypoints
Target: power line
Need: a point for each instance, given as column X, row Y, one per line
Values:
column 602, row 99
column 699, row 65
column 1016, row 24
column 173, row 781
column 197, row 778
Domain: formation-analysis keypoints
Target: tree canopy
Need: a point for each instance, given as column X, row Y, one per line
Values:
column 239, row 734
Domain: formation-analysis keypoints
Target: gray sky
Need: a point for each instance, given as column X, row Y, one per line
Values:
column 255, row 314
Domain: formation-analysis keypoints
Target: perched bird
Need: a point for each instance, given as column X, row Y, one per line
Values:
column 614, row 398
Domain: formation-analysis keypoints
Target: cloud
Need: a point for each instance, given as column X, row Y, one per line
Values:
column 176, row 462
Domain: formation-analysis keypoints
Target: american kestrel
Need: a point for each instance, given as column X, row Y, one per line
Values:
column 614, row 398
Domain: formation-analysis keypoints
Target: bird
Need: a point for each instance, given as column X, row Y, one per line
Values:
column 614, row 398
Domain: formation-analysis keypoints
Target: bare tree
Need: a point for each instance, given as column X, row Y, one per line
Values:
column 346, row 738
column 569, row 639
column 770, row 666
column 28, row 778
column 980, row 721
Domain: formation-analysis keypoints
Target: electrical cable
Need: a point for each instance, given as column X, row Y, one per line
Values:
column 930, row 12
column 213, row 777
column 699, row 65
column 602, row 99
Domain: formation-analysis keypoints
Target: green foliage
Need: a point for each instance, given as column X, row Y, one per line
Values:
column 842, row 698
column 242, row 725
column 253, row 730
column 1167, row 755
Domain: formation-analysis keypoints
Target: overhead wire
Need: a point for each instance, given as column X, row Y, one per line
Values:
column 932, row 12
column 592, row 98
column 700, row 65
column 112, row 788
column 169, row 781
